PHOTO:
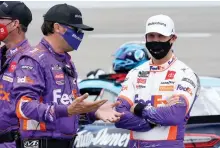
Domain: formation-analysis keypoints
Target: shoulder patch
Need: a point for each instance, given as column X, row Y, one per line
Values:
column 36, row 54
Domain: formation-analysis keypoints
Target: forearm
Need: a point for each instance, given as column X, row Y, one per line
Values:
column 40, row 112
column 132, row 122
column 165, row 116
column 129, row 120
column 87, row 118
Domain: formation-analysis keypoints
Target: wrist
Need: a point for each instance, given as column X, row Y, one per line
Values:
column 96, row 115
column 69, row 111
column 138, row 109
column 93, row 115
column 62, row 111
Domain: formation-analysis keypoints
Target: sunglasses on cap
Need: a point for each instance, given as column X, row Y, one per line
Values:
column 77, row 30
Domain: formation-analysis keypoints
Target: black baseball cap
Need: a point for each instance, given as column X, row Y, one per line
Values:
column 68, row 15
column 16, row 10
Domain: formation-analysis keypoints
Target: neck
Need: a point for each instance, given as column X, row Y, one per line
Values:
column 13, row 41
column 163, row 60
column 51, row 39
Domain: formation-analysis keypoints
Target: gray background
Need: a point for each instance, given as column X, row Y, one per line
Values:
column 197, row 26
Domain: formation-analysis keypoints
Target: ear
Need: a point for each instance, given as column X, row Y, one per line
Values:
column 16, row 23
column 59, row 28
column 56, row 27
column 173, row 39
column 145, row 36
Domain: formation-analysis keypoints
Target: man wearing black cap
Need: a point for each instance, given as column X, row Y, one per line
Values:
column 15, row 17
column 49, row 101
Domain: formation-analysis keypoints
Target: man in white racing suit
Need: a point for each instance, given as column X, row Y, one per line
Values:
column 158, row 95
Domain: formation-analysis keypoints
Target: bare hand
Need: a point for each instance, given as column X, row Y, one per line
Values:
column 107, row 113
column 80, row 106
column 173, row 100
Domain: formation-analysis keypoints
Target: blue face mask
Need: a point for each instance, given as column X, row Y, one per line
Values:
column 73, row 38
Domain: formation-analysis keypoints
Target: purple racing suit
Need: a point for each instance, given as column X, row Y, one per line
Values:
column 45, row 86
column 163, row 95
column 9, row 60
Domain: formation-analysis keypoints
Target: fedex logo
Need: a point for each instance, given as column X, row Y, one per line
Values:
column 187, row 89
column 171, row 61
column 61, row 98
column 156, row 101
column 4, row 96
column 156, row 68
column 25, row 79
column 12, row 51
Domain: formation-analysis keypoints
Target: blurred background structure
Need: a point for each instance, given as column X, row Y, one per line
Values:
column 197, row 26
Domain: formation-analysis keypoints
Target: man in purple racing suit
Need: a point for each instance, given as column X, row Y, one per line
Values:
column 48, row 98
column 15, row 17
column 157, row 96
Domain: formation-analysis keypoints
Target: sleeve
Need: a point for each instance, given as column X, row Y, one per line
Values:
column 186, row 91
column 28, row 88
column 129, row 120
column 87, row 118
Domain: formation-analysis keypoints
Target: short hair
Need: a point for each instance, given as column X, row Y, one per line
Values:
column 23, row 28
column 47, row 28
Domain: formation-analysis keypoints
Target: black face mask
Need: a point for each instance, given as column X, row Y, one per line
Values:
column 158, row 49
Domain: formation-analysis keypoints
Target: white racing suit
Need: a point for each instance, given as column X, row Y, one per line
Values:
column 158, row 119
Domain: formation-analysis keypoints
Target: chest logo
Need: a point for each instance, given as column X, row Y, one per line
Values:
column 170, row 75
